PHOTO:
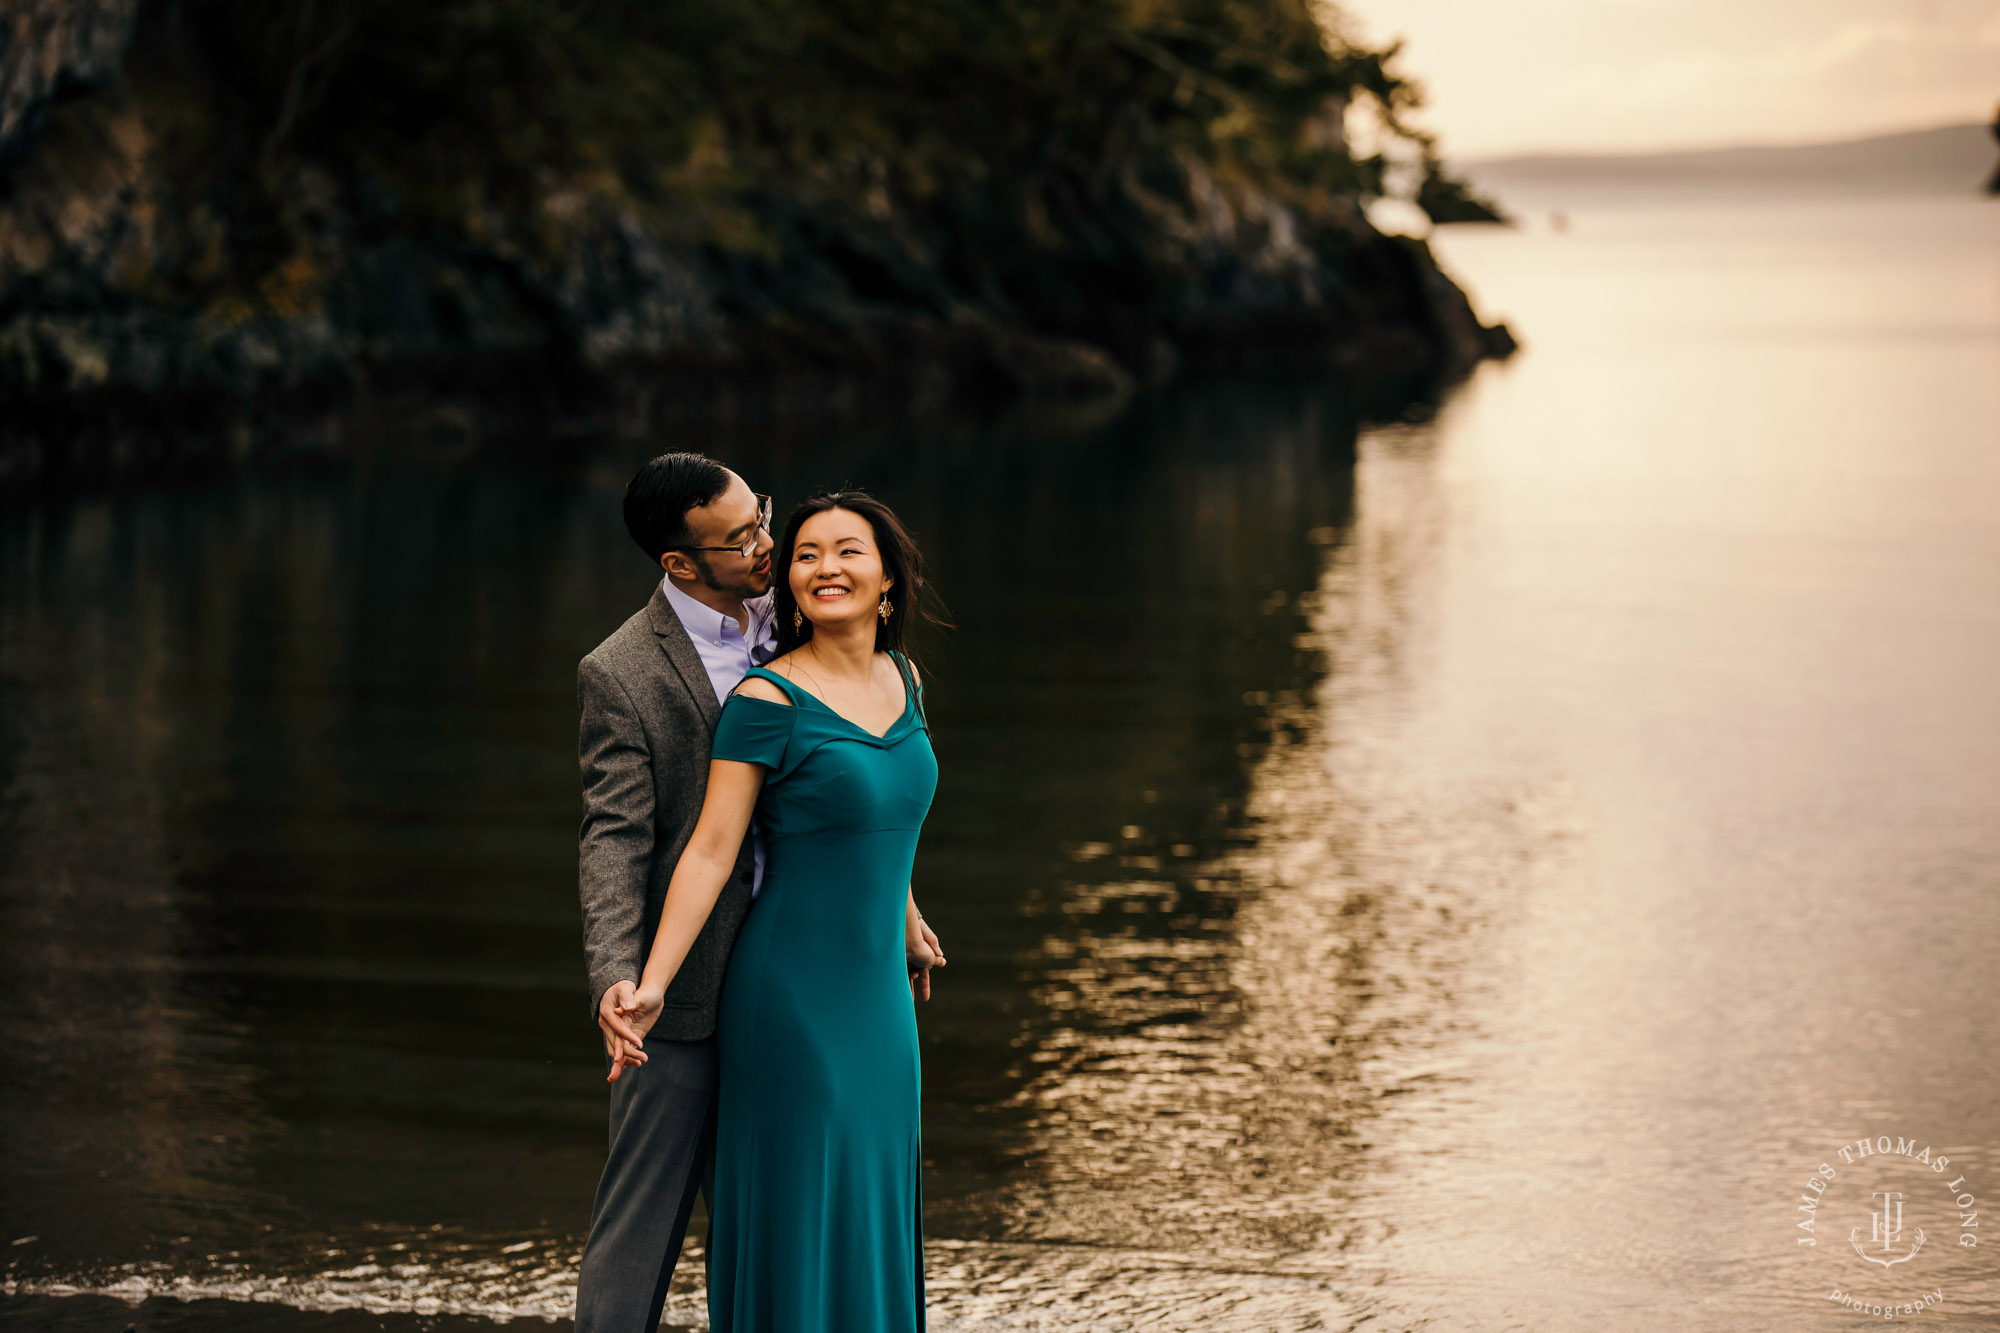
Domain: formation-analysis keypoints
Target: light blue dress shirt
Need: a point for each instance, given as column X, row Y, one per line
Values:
column 727, row 654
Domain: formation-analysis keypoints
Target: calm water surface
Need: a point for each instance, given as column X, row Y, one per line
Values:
column 1463, row 874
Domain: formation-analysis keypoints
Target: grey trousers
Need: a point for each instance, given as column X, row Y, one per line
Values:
column 662, row 1147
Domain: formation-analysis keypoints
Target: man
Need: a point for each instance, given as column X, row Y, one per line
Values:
column 648, row 698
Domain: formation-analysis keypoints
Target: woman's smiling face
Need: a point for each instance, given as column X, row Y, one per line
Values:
column 836, row 568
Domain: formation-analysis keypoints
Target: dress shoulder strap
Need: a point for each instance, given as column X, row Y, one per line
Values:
column 765, row 673
column 910, row 686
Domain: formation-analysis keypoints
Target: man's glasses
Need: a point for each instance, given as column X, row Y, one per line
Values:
column 748, row 547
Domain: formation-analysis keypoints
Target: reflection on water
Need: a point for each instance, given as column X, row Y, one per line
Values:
column 288, row 875
column 1210, row 1103
column 1459, row 874
column 1202, row 1087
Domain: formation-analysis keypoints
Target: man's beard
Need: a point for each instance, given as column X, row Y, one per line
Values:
column 745, row 590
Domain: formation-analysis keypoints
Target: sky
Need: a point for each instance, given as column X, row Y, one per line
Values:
column 1508, row 76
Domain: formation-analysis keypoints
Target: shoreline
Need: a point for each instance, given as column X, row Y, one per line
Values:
column 118, row 440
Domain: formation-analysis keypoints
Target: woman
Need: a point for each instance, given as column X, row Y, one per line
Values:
column 818, row 1164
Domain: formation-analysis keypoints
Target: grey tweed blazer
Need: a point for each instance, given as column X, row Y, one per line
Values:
column 646, row 721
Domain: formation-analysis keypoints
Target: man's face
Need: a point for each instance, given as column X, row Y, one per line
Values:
column 729, row 522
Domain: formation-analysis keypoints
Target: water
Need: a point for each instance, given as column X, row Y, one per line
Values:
column 1459, row 874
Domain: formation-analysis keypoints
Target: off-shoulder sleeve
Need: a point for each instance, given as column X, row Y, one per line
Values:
column 754, row 731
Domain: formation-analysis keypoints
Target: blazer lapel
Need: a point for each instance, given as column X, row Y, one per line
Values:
column 679, row 648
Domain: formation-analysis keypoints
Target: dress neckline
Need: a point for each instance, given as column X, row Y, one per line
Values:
column 794, row 689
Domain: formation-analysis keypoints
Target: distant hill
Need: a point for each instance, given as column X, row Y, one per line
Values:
column 1956, row 159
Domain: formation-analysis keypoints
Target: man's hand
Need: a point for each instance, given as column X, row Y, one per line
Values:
column 623, row 1037
column 922, row 953
column 638, row 1011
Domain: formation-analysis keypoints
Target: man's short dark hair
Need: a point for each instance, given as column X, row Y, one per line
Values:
column 662, row 492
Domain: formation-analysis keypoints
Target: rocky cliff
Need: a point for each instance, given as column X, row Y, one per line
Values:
column 52, row 49
column 281, row 202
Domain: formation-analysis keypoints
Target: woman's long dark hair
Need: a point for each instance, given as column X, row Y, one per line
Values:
column 909, row 599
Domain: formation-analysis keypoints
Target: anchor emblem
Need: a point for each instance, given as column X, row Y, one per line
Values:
column 1887, row 1228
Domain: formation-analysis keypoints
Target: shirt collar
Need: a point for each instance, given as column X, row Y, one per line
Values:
column 706, row 622
column 763, row 616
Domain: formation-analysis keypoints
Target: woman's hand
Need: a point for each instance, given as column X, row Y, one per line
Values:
column 922, row 952
column 638, row 1009
column 642, row 1010
column 621, row 1039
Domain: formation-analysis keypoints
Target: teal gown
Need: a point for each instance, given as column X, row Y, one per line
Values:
column 818, row 1159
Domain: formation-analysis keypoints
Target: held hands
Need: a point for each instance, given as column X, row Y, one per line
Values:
column 922, row 952
column 625, row 1015
column 627, row 1012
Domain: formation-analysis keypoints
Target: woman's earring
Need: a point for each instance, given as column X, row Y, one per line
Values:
column 882, row 609
column 798, row 621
